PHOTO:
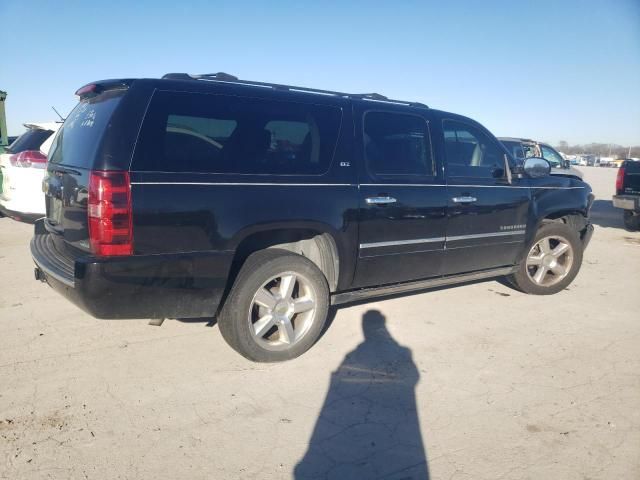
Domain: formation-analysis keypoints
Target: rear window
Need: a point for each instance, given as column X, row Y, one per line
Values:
column 206, row 133
column 78, row 140
column 632, row 166
column 29, row 140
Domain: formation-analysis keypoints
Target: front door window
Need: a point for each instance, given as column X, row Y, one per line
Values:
column 470, row 152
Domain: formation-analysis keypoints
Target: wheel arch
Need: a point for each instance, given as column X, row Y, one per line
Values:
column 568, row 206
column 575, row 218
column 316, row 242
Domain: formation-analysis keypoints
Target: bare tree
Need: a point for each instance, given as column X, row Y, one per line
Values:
column 600, row 149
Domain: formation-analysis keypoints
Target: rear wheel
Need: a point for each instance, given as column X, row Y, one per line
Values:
column 552, row 262
column 631, row 220
column 277, row 307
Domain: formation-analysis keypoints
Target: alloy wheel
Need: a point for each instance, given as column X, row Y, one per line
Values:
column 550, row 260
column 282, row 311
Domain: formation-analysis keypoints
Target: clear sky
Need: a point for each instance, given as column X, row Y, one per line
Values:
column 550, row 70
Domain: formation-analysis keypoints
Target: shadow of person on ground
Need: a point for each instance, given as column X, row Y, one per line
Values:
column 368, row 427
column 604, row 214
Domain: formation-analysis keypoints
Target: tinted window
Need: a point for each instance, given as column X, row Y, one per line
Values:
column 470, row 152
column 78, row 140
column 515, row 149
column 29, row 140
column 196, row 140
column 185, row 132
column 632, row 166
column 397, row 144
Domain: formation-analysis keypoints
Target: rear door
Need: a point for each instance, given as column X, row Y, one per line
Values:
column 487, row 215
column 402, row 208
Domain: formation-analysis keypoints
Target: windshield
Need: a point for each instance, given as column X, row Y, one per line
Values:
column 553, row 157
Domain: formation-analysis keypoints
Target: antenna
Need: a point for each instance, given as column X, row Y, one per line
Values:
column 58, row 113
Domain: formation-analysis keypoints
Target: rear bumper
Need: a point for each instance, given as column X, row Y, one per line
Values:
column 151, row 286
column 627, row 202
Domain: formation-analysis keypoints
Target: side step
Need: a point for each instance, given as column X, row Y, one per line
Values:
column 386, row 290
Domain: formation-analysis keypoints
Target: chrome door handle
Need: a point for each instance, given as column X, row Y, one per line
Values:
column 464, row 199
column 380, row 200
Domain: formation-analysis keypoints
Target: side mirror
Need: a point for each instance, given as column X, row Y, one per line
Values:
column 497, row 172
column 537, row 167
column 566, row 163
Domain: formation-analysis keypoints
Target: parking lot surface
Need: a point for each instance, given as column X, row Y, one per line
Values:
column 471, row 382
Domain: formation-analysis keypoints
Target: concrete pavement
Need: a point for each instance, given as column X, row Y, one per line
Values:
column 470, row 382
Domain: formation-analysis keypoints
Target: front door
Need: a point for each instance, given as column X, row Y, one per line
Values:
column 403, row 198
column 487, row 214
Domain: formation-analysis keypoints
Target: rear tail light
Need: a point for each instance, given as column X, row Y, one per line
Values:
column 109, row 212
column 620, row 180
column 28, row 159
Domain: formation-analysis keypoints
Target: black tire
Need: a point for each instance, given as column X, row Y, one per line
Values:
column 522, row 280
column 631, row 220
column 258, row 269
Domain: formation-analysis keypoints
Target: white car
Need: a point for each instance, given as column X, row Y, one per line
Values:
column 22, row 169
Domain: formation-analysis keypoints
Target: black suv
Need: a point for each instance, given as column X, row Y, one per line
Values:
column 262, row 204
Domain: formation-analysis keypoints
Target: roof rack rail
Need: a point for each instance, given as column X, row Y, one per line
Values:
column 376, row 97
column 225, row 77
column 370, row 96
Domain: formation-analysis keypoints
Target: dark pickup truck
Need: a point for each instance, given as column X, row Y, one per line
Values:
column 627, row 194
column 263, row 204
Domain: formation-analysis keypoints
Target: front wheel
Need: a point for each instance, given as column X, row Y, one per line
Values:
column 277, row 307
column 552, row 262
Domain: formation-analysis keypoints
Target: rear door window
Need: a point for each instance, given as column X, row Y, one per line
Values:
column 208, row 133
column 397, row 144
column 78, row 140
column 29, row 140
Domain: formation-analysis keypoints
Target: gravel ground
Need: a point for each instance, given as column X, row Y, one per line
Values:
column 472, row 382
